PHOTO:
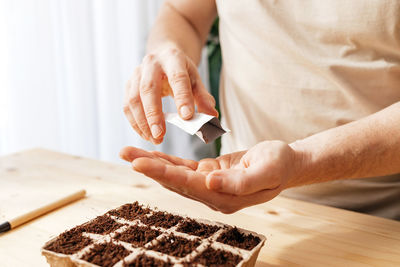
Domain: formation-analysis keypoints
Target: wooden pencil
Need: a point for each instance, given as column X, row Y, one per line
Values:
column 15, row 222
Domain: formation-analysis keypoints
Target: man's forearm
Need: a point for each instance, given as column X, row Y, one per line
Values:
column 365, row 148
column 178, row 27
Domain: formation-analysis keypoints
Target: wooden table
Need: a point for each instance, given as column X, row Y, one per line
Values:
column 298, row 233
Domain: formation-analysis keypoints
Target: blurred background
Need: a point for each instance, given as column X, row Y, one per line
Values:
column 63, row 68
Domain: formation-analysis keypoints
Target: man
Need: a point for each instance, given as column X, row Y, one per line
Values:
column 323, row 77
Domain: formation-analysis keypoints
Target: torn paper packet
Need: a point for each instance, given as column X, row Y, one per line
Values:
column 206, row 127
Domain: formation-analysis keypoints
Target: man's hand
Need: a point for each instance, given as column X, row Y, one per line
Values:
column 368, row 147
column 165, row 72
column 227, row 183
column 174, row 48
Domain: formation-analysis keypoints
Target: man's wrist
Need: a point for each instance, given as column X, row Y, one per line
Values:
column 301, row 165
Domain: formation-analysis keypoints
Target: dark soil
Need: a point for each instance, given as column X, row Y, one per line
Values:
column 144, row 260
column 192, row 227
column 176, row 246
column 69, row 242
column 137, row 235
column 108, row 254
column 105, row 254
column 237, row 239
column 213, row 257
column 101, row 225
column 130, row 211
column 161, row 219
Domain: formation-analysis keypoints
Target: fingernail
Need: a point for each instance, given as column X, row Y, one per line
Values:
column 185, row 112
column 156, row 130
column 156, row 141
column 215, row 183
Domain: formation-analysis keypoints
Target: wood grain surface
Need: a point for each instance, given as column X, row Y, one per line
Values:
column 298, row 233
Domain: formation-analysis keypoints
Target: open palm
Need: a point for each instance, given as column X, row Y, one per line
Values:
column 227, row 183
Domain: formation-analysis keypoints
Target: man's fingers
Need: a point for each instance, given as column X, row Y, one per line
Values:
column 238, row 181
column 132, row 122
column 185, row 182
column 135, row 105
column 150, row 94
column 208, row 165
column 130, row 153
column 133, row 108
column 192, row 184
column 205, row 104
column 136, row 109
column 181, row 178
column 204, row 100
column 128, row 112
column 166, row 89
column 226, row 181
column 176, row 160
column 175, row 176
column 170, row 72
column 176, row 70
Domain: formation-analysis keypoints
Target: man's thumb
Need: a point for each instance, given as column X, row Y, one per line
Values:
column 233, row 181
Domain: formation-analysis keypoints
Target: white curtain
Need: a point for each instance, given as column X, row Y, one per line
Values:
column 64, row 64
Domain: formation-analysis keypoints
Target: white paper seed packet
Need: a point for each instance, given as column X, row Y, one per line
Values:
column 206, row 127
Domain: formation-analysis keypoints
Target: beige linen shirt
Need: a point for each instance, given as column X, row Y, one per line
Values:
column 294, row 68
